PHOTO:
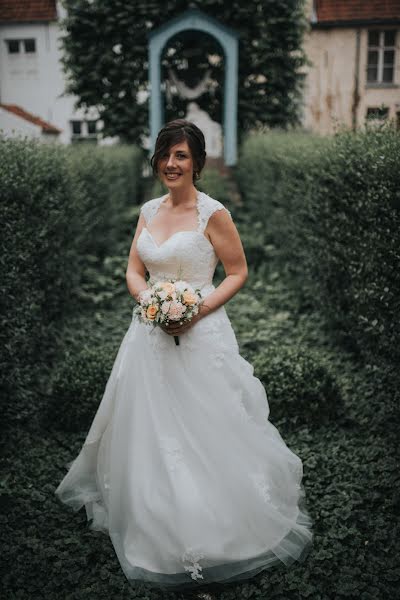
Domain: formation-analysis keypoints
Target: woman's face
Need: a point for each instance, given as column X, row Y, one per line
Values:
column 175, row 167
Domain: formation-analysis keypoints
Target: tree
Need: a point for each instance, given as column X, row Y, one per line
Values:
column 106, row 60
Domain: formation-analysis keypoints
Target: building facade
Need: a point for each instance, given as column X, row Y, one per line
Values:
column 31, row 76
column 354, row 75
column 353, row 47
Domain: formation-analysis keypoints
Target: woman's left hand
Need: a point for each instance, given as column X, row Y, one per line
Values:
column 177, row 329
column 174, row 328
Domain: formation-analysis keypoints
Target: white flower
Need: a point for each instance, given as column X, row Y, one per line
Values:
column 165, row 307
column 145, row 296
column 181, row 286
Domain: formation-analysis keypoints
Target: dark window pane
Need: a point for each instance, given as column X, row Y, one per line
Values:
column 387, row 74
column 13, row 46
column 372, row 74
column 390, row 37
column 30, row 45
column 373, row 38
column 372, row 57
column 76, row 127
column 91, row 127
column 377, row 113
column 388, row 58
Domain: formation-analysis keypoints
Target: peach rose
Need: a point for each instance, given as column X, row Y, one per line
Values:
column 151, row 312
column 168, row 287
column 176, row 310
column 189, row 298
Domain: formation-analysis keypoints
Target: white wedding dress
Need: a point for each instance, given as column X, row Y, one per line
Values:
column 181, row 466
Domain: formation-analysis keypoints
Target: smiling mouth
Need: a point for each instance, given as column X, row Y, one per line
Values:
column 173, row 175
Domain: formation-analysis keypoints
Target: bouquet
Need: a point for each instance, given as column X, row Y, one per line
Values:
column 166, row 301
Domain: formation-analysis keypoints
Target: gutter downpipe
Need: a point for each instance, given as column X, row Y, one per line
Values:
column 356, row 92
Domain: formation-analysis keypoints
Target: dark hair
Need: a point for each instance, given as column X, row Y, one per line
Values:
column 175, row 132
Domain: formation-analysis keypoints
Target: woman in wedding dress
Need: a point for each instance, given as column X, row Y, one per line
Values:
column 181, row 466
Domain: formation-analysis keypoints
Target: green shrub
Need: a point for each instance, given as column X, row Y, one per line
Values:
column 299, row 385
column 57, row 205
column 77, row 387
column 274, row 171
column 110, row 181
column 39, row 262
column 329, row 215
column 353, row 217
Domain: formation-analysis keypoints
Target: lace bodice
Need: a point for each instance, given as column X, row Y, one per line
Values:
column 187, row 255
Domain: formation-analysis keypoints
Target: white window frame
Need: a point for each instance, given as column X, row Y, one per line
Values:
column 381, row 48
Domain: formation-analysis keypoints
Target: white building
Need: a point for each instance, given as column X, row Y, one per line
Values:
column 31, row 76
column 354, row 76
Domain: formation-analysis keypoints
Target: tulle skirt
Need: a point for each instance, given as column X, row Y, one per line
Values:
column 181, row 466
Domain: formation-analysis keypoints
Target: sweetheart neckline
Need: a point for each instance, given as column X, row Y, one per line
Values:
column 176, row 233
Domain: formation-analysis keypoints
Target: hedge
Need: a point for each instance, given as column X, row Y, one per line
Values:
column 57, row 204
column 327, row 210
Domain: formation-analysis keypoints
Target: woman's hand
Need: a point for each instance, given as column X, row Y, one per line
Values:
column 174, row 328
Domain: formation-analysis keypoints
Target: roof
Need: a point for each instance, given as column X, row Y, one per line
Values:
column 21, row 11
column 352, row 12
column 24, row 114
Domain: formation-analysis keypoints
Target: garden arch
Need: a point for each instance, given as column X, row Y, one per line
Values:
column 194, row 18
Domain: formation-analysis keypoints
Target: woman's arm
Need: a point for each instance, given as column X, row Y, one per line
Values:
column 228, row 246
column 136, row 271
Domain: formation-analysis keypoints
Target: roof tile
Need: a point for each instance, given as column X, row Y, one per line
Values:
column 24, row 114
column 331, row 11
column 12, row 11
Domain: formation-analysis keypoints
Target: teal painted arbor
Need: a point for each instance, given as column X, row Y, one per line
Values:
column 194, row 18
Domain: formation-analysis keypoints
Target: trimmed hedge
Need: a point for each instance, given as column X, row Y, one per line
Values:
column 78, row 385
column 329, row 215
column 57, row 204
column 274, row 172
column 300, row 387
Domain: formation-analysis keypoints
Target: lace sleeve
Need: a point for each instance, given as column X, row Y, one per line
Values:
column 150, row 208
column 207, row 209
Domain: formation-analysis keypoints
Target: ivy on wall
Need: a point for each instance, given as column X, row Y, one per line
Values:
column 105, row 56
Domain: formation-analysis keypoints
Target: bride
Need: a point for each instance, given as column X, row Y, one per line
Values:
column 181, row 466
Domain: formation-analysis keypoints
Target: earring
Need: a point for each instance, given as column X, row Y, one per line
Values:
column 196, row 174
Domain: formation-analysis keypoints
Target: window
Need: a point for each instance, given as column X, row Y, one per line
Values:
column 12, row 46
column 381, row 56
column 380, row 113
column 84, row 131
column 25, row 46
column 76, row 127
column 91, row 126
column 30, row 46
column 377, row 116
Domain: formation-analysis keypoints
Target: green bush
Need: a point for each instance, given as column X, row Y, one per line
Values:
column 59, row 206
column 77, row 387
column 300, row 387
column 353, row 217
column 274, row 172
column 326, row 213
column 110, row 180
column 39, row 262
